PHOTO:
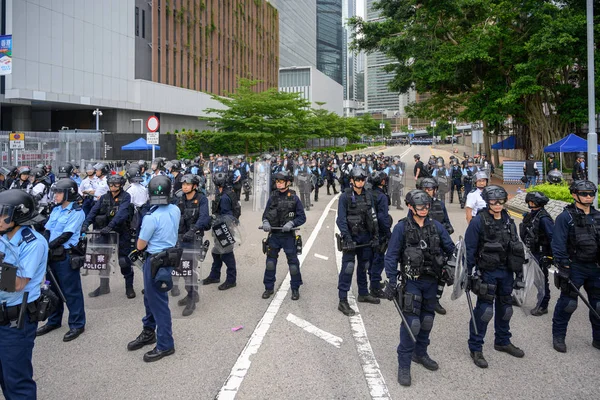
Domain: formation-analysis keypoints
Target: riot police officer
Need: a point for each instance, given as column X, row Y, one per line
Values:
column 576, row 250
column 283, row 213
column 579, row 171
column 223, row 205
column 439, row 213
column 26, row 251
column 62, row 233
column 358, row 227
column 88, row 188
column 469, row 171
column 157, row 239
column 384, row 222
column 536, row 231
column 421, row 245
column 494, row 250
column 456, row 181
column 23, row 182
column 113, row 213
column 102, row 171
column 474, row 201
column 195, row 219
column 174, row 168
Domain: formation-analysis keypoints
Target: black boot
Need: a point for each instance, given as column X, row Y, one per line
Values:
column 368, row 299
column 426, row 361
column 129, row 292
column 175, row 291
column 145, row 338
column 190, row 306
column 404, row 376
column 104, row 288
column 478, row 359
column 439, row 309
column 345, row 308
column 559, row 344
column 184, row 301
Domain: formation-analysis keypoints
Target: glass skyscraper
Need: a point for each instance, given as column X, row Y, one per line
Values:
column 330, row 39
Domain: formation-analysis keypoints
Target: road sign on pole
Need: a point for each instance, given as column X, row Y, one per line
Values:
column 17, row 141
column 152, row 124
column 152, row 138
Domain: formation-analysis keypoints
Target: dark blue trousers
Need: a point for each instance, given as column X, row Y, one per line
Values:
column 376, row 270
column 158, row 314
column 500, row 308
column 363, row 257
column 422, row 317
column 69, row 281
column 589, row 278
column 16, row 370
column 229, row 260
column 287, row 242
column 124, row 261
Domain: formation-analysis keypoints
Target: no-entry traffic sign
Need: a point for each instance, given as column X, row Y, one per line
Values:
column 152, row 124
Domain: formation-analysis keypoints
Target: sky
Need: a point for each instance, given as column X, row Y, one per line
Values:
column 360, row 7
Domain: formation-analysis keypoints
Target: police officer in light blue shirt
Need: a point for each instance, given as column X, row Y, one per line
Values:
column 62, row 232
column 27, row 250
column 158, row 233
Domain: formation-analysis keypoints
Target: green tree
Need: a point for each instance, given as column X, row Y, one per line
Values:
column 490, row 60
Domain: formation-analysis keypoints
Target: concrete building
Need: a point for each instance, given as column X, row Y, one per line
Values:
column 330, row 39
column 131, row 59
column 314, row 86
column 378, row 97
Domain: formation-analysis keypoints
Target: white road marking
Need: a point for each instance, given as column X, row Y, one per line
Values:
column 377, row 386
column 231, row 386
column 321, row 257
column 310, row 328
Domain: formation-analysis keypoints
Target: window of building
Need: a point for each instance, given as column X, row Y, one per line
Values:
column 137, row 21
column 143, row 24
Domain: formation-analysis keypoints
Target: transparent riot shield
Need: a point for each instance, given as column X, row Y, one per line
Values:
column 460, row 271
column 395, row 190
column 186, row 276
column 100, row 267
column 402, row 178
column 486, row 168
column 532, row 286
column 304, row 188
column 227, row 234
column 262, row 185
column 443, row 186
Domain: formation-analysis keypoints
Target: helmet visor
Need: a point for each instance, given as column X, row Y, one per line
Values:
column 7, row 212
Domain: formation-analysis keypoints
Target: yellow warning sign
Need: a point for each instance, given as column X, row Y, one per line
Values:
column 17, row 136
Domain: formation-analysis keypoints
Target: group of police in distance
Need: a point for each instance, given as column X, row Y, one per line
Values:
column 157, row 212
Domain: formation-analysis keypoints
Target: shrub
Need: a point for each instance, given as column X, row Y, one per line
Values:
column 555, row 192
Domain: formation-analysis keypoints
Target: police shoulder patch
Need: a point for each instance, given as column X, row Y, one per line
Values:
column 28, row 236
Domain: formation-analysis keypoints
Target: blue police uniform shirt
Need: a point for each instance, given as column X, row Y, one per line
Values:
column 31, row 250
column 66, row 219
column 160, row 227
column 76, row 179
column 236, row 175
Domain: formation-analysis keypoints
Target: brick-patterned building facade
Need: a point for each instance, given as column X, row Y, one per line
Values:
column 206, row 45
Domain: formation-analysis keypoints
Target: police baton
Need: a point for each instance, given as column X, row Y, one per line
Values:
column 585, row 301
column 404, row 321
column 55, row 288
column 471, row 311
column 278, row 228
column 341, row 247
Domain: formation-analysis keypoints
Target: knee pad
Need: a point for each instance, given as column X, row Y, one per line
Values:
column 487, row 314
column 571, row 306
column 427, row 323
column 294, row 269
column 508, row 312
column 415, row 326
column 270, row 265
column 349, row 268
column 124, row 263
column 367, row 265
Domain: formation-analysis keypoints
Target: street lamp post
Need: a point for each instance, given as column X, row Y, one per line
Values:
column 452, row 123
column 98, row 114
column 433, row 125
column 592, row 138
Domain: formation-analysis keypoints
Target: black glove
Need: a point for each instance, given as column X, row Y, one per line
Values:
column 106, row 230
column 134, row 255
column 349, row 245
column 189, row 235
column 448, row 275
column 390, row 291
column 287, row 227
column 266, row 226
column 519, row 281
column 84, row 228
column 564, row 271
column 469, row 283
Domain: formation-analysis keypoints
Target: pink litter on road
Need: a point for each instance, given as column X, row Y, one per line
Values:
column 237, row 328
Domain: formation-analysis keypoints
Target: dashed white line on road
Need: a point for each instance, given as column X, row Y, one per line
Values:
column 321, row 257
column 377, row 387
column 310, row 328
column 232, row 385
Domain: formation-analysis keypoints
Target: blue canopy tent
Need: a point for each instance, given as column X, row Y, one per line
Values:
column 139, row 144
column 569, row 144
column 510, row 143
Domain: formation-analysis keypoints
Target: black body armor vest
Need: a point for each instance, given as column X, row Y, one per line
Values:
column 282, row 209
column 582, row 242
column 422, row 253
column 190, row 211
column 359, row 212
column 533, row 235
column 499, row 244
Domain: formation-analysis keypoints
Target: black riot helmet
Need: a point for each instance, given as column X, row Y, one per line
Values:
column 103, row 168
column 551, row 155
column 38, row 174
column 358, row 173
column 220, row 179
column 191, row 178
column 133, row 174
column 17, row 206
column 158, row 163
column 554, row 177
column 64, row 171
column 159, row 190
column 377, row 177
column 116, row 179
column 417, row 197
column 494, row 192
column 582, row 186
column 68, row 188
column 284, row 176
column 24, row 171
column 537, row 198
column 43, row 167
column 173, row 165
column 429, row 183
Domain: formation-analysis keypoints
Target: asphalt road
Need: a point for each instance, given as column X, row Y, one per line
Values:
column 272, row 357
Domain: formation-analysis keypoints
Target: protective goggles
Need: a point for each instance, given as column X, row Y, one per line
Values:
column 498, row 202
column 422, row 207
column 586, row 194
